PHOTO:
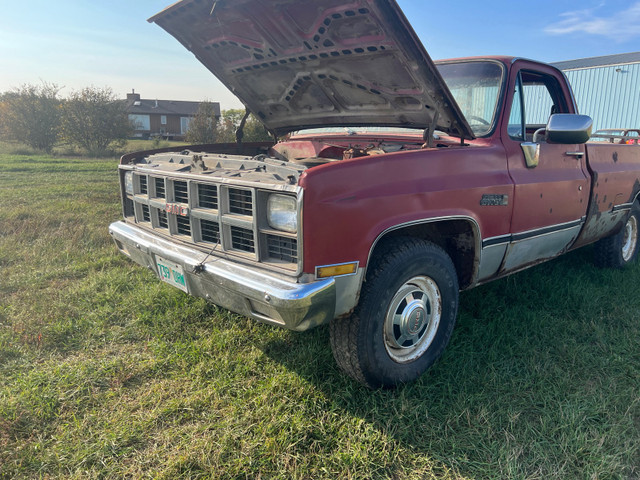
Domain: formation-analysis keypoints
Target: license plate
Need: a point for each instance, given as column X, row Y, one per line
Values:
column 171, row 273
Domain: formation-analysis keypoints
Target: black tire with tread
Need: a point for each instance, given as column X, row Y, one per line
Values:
column 358, row 342
column 608, row 252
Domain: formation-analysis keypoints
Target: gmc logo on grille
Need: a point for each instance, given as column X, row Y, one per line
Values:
column 176, row 209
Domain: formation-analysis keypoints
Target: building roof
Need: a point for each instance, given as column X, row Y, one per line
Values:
column 591, row 62
column 143, row 106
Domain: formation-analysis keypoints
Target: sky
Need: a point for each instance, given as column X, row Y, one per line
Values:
column 80, row 43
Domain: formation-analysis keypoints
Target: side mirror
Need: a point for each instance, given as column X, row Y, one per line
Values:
column 569, row 128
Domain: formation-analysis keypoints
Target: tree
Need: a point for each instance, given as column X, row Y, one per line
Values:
column 202, row 127
column 253, row 130
column 4, row 113
column 93, row 118
column 31, row 114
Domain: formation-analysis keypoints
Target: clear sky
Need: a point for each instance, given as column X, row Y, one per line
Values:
column 108, row 43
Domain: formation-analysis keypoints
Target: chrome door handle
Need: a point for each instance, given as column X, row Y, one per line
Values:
column 574, row 154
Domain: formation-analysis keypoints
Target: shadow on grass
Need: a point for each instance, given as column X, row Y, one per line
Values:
column 540, row 379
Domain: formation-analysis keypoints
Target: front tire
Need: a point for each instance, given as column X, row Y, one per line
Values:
column 621, row 249
column 405, row 317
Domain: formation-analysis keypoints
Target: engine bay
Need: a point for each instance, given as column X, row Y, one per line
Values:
column 282, row 163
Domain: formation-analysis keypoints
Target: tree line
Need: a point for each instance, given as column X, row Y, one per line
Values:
column 92, row 119
column 205, row 127
column 95, row 120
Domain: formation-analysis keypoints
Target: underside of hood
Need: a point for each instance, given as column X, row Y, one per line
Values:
column 312, row 63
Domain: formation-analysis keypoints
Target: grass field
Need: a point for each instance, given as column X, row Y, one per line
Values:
column 105, row 372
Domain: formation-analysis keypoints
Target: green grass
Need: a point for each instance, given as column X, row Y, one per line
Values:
column 105, row 372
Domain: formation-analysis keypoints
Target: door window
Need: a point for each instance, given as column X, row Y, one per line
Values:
column 536, row 98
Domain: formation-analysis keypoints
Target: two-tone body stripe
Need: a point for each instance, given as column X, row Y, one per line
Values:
column 517, row 237
column 622, row 206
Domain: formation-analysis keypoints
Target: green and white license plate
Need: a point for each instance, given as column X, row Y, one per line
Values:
column 171, row 273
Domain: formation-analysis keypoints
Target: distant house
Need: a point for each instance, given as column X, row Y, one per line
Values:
column 161, row 118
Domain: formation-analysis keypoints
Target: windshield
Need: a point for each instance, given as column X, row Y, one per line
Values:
column 476, row 89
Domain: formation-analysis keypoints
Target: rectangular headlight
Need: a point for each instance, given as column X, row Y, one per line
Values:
column 128, row 182
column 282, row 213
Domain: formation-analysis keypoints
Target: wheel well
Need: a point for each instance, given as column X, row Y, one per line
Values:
column 456, row 237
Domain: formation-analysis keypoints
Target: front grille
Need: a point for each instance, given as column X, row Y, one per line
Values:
column 284, row 249
column 180, row 194
column 207, row 196
column 242, row 239
column 240, row 201
column 163, row 222
column 184, row 226
column 210, row 231
column 159, row 187
column 146, row 215
column 233, row 219
column 143, row 184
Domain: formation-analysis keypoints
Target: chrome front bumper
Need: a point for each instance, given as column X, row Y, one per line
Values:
column 238, row 288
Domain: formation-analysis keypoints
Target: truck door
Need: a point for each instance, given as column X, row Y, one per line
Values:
column 551, row 180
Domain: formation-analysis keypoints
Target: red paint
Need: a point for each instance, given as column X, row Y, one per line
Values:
column 349, row 204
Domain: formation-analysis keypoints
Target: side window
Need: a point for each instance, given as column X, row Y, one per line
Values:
column 516, row 117
column 537, row 97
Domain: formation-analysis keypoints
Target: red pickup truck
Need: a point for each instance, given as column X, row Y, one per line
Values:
column 396, row 182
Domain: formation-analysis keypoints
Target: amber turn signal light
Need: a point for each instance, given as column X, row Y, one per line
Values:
column 336, row 270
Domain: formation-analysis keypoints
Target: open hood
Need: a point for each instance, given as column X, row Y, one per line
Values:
column 314, row 63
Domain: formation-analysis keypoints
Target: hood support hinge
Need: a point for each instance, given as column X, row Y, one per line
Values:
column 240, row 129
column 430, row 130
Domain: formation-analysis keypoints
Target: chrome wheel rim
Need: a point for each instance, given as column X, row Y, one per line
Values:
column 412, row 319
column 630, row 239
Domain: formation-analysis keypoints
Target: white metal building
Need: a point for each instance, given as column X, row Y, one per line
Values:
column 607, row 88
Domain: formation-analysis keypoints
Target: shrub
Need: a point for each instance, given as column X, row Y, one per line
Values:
column 32, row 115
column 94, row 119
